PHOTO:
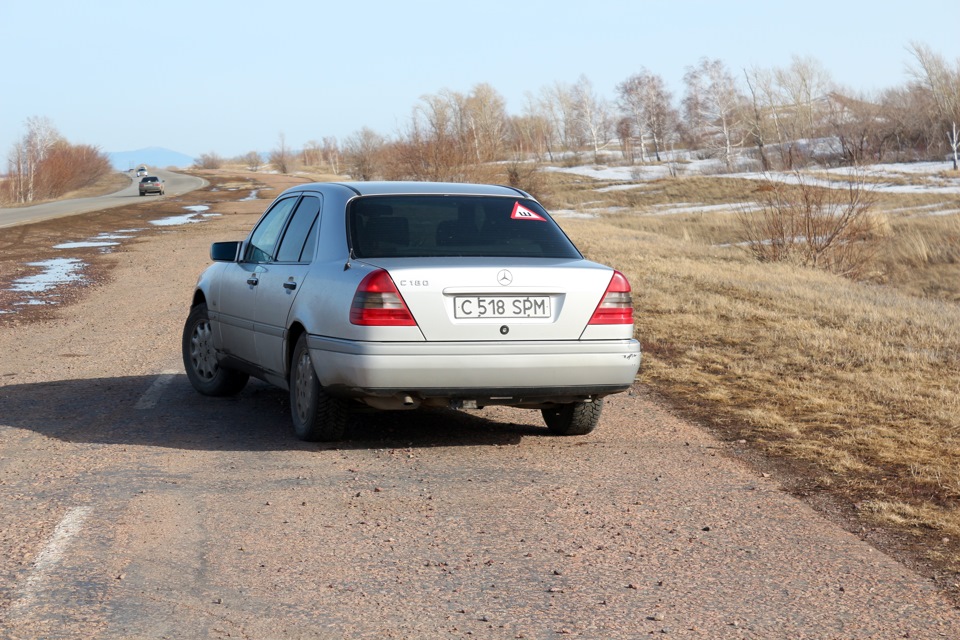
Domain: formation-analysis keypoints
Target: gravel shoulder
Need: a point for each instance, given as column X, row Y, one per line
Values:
column 133, row 507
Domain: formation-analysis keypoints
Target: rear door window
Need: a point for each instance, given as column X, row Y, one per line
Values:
column 299, row 238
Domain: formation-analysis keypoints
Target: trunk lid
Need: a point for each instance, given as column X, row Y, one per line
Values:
column 497, row 299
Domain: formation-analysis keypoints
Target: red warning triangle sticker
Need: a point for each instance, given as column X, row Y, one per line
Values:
column 522, row 213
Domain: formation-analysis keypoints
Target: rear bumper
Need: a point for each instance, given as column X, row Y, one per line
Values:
column 540, row 370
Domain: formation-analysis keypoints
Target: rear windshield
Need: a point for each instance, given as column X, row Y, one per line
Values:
column 445, row 226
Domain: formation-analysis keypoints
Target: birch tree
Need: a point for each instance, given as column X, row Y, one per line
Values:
column 40, row 138
column 646, row 99
column 593, row 115
column 486, row 122
column 558, row 104
column 713, row 107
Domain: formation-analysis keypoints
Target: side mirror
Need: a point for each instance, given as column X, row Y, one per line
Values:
column 225, row 251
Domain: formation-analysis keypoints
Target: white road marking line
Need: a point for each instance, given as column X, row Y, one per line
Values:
column 50, row 555
column 149, row 399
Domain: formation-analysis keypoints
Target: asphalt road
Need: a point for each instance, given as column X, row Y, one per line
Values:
column 175, row 184
column 132, row 507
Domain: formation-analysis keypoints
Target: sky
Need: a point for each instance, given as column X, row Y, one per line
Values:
column 210, row 76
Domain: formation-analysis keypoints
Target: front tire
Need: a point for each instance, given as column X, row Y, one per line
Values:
column 574, row 419
column 200, row 359
column 317, row 416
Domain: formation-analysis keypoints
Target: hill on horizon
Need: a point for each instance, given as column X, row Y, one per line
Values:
column 150, row 156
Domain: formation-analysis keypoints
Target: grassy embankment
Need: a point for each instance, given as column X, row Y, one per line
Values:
column 855, row 383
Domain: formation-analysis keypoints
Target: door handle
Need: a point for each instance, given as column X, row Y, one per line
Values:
column 290, row 285
column 253, row 281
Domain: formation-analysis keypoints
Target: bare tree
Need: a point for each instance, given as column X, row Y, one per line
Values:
column 331, row 154
column 714, row 108
column 209, row 161
column 861, row 127
column 625, row 135
column 532, row 132
column 593, row 115
column 943, row 85
column 485, row 119
column 252, row 160
column 280, row 156
column 952, row 137
column 558, row 104
column 761, row 115
column 646, row 99
column 27, row 157
column 362, row 152
column 803, row 86
column 942, row 81
column 311, row 155
column 15, row 187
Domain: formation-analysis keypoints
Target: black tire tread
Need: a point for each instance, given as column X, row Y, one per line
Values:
column 574, row 419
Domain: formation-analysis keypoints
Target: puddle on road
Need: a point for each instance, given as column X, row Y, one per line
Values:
column 88, row 244
column 54, row 273
column 62, row 271
column 198, row 215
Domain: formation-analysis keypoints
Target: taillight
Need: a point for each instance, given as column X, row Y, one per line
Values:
column 616, row 306
column 377, row 302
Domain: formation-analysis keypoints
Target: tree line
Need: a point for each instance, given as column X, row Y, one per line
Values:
column 42, row 165
column 760, row 118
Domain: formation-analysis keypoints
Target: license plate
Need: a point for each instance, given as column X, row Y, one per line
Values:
column 474, row 307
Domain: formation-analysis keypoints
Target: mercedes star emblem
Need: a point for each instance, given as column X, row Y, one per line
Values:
column 504, row 277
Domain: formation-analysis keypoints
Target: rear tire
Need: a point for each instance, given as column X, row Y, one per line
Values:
column 574, row 419
column 317, row 416
column 200, row 359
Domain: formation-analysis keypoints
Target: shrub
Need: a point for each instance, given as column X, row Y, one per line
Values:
column 833, row 229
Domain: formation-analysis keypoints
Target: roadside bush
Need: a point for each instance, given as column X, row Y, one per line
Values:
column 209, row 161
column 68, row 168
column 525, row 176
column 833, row 229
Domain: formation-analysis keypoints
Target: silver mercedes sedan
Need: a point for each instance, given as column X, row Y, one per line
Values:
column 397, row 295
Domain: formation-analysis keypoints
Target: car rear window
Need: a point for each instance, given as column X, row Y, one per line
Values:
column 448, row 226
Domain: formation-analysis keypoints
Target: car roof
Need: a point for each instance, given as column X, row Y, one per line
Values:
column 411, row 188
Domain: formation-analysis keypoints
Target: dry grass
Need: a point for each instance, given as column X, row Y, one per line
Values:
column 858, row 382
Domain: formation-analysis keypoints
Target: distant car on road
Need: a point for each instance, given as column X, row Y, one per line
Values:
column 142, row 171
column 396, row 295
column 151, row 184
